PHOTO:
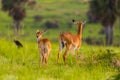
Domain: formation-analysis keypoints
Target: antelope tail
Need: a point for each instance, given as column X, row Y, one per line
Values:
column 62, row 43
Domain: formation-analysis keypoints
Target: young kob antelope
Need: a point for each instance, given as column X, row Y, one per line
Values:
column 44, row 46
column 70, row 41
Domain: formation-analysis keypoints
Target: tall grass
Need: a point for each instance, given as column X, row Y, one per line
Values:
column 22, row 64
column 97, row 62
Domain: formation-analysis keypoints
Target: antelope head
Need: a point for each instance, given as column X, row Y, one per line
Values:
column 79, row 23
column 39, row 34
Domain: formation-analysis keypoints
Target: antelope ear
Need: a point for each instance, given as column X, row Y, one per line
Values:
column 84, row 22
column 44, row 31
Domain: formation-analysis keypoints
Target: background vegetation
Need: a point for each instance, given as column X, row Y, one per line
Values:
column 95, row 62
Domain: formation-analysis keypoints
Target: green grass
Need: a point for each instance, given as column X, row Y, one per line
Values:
column 22, row 64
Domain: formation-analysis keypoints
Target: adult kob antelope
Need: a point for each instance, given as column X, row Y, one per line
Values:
column 70, row 41
column 44, row 46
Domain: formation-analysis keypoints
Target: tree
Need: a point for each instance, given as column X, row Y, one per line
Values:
column 15, row 9
column 106, row 12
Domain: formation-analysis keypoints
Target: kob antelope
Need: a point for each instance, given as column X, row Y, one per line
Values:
column 70, row 41
column 44, row 46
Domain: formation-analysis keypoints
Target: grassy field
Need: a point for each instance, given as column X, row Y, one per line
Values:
column 22, row 64
column 93, row 62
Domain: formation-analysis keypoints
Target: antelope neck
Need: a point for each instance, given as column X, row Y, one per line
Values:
column 80, row 30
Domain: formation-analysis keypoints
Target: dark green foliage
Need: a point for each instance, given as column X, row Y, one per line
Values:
column 10, row 4
column 7, row 4
column 15, row 8
column 117, row 6
column 17, row 13
column 115, row 77
column 105, row 10
column 107, row 57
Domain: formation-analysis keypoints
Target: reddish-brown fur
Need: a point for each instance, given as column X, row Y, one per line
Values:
column 44, row 46
column 70, row 41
